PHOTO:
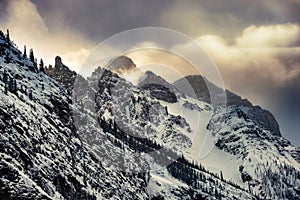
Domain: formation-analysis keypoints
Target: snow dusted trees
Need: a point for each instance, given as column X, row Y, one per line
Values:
column 11, row 54
column 33, row 60
column 10, row 83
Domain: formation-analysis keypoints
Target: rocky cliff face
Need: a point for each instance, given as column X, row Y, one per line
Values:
column 266, row 158
column 158, row 87
column 62, row 74
column 197, row 87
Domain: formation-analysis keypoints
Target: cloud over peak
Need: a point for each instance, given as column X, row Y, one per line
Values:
column 268, row 52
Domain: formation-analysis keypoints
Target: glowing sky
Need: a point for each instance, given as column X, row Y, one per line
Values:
column 255, row 44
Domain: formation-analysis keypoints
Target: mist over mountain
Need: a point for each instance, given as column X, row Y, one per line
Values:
column 103, row 137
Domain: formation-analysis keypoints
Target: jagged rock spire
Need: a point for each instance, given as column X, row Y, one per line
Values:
column 58, row 62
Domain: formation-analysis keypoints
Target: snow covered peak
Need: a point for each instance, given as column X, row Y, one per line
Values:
column 198, row 87
column 264, row 158
column 159, row 88
column 125, row 68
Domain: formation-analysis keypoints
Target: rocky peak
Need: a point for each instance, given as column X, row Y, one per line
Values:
column 150, row 77
column 58, row 62
column 159, row 88
column 196, row 86
column 62, row 74
column 121, row 64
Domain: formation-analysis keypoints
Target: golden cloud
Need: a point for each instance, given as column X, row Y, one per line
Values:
column 279, row 35
column 261, row 58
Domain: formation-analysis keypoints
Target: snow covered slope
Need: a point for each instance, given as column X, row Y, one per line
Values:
column 266, row 161
column 197, row 86
column 111, row 139
column 42, row 156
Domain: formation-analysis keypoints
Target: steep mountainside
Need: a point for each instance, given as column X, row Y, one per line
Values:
column 127, row 105
column 267, row 163
column 42, row 155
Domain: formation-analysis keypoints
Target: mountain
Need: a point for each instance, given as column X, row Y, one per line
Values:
column 197, row 86
column 118, row 95
column 66, row 137
column 42, row 155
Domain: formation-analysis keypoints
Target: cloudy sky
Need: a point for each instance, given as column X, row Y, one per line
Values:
column 255, row 44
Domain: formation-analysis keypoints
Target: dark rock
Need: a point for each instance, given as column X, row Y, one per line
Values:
column 62, row 74
column 160, row 92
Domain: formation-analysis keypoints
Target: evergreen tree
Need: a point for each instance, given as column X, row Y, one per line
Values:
column 7, row 35
column 35, row 63
column 5, row 77
column 2, row 34
column 221, row 176
column 30, row 96
column 14, row 86
column 7, row 58
column 31, row 56
column 5, row 89
column 5, row 80
column 42, row 69
column 24, row 53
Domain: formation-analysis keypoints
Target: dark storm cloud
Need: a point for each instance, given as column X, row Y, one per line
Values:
column 101, row 19
column 227, row 18
column 3, row 6
column 284, row 101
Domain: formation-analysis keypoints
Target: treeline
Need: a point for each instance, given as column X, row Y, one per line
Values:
column 137, row 144
column 7, row 52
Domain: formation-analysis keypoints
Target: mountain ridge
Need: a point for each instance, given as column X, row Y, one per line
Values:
column 198, row 85
column 112, row 139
